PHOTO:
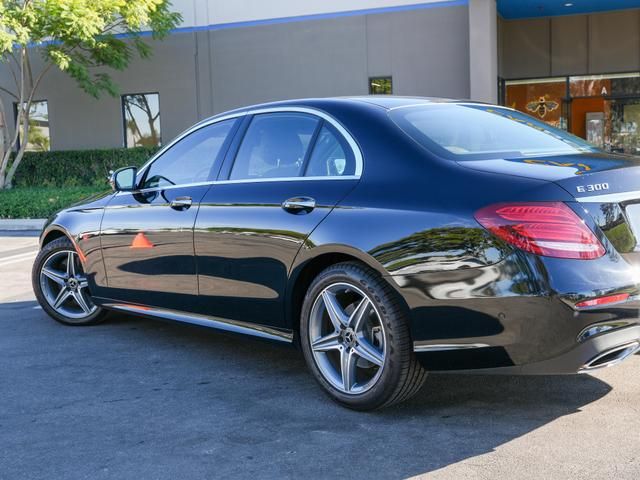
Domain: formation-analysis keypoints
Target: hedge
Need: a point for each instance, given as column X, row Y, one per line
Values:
column 41, row 202
column 70, row 168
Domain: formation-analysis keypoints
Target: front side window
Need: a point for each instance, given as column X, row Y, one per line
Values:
column 274, row 146
column 39, row 139
column 331, row 156
column 471, row 132
column 193, row 159
column 141, row 117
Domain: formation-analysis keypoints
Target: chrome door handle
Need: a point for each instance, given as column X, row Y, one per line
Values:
column 299, row 205
column 181, row 203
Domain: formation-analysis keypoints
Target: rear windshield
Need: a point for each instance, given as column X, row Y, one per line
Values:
column 473, row 132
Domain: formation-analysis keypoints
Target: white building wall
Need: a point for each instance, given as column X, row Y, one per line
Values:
column 198, row 13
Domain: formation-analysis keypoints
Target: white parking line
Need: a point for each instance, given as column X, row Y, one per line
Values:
column 17, row 258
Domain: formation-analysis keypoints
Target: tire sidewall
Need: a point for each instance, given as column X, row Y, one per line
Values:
column 58, row 245
column 370, row 285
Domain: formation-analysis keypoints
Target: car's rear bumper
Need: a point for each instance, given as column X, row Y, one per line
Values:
column 601, row 351
column 520, row 315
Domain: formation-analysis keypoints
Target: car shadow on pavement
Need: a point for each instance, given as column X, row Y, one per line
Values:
column 159, row 400
column 282, row 417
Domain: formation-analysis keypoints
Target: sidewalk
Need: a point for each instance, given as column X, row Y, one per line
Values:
column 22, row 224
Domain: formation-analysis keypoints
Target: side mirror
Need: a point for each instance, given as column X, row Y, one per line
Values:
column 124, row 179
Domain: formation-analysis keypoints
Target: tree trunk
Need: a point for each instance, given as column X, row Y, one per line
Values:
column 14, row 166
column 23, row 145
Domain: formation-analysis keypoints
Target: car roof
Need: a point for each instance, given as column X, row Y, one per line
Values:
column 386, row 102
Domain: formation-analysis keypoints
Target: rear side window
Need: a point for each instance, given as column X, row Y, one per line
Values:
column 274, row 146
column 331, row 156
column 470, row 132
column 193, row 159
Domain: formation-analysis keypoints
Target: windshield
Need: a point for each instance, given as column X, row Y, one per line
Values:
column 472, row 132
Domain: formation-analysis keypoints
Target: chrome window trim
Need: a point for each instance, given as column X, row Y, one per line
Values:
column 248, row 180
column 611, row 197
column 357, row 153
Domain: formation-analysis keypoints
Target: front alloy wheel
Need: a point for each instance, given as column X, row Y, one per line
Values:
column 355, row 338
column 61, row 285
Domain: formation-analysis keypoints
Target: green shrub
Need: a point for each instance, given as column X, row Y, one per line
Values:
column 76, row 167
column 41, row 202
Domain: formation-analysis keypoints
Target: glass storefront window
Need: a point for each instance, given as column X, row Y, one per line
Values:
column 623, row 84
column 624, row 136
column 603, row 109
column 542, row 99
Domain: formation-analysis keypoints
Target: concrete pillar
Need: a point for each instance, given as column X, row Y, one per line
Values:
column 483, row 50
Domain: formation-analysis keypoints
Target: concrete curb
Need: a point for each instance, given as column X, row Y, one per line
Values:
column 22, row 224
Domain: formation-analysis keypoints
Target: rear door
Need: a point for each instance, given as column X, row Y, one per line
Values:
column 283, row 177
column 147, row 235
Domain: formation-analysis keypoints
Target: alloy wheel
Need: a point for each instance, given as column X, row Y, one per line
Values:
column 347, row 338
column 64, row 285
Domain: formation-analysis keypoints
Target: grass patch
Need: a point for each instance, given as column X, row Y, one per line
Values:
column 41, row 202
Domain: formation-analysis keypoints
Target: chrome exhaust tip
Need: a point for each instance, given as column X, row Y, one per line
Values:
column 611, row 357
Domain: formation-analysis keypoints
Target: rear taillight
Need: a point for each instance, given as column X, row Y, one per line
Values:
column 550, row 229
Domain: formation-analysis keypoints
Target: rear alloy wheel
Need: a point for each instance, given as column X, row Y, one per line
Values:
column 356, row 339
column 61, row 285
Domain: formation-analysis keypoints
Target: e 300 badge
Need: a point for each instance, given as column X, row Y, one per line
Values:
column 596, row 187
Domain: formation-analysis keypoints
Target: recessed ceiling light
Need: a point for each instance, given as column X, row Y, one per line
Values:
column 568, row 4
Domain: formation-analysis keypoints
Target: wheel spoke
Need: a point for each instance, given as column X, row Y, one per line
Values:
column 58, row 277
column 348, row 368
column 368, row 352
column 326, row 343
column 71, row 267
column 82, row 282
column 63, row 294
column 359, row 314
column 82, row 303
column 338, row 318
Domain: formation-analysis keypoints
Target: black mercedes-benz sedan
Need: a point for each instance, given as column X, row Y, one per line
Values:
column 386, row 237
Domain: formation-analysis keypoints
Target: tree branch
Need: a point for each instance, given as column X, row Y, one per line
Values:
column 38, row 80
column 16, row 134
column 9, row 92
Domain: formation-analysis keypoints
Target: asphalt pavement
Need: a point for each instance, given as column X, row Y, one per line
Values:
column 142, row 399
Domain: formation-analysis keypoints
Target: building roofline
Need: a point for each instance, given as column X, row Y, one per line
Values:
column 313, row 17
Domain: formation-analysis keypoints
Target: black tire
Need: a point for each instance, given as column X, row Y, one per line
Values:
column 402, row 375
column 59, row 245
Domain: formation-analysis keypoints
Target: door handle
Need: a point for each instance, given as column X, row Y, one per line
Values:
column 299, row 205
column 181, row 203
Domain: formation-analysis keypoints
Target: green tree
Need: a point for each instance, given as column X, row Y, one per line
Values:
column 83, row 38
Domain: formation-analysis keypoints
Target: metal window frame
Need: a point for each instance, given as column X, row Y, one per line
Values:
column 357, row 153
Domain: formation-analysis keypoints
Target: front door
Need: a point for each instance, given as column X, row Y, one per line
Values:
column 147, row 235
column 289, row 172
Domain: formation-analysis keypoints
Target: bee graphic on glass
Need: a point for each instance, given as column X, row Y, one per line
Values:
column 542, row 106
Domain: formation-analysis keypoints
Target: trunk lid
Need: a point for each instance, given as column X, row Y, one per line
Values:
column 621, row 173
column 607, row 184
